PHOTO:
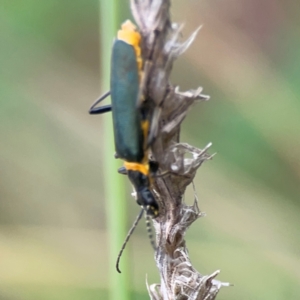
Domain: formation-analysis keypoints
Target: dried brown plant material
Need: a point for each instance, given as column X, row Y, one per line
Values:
column 161, row 45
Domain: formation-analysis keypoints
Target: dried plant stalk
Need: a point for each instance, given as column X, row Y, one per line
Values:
column 160, row 47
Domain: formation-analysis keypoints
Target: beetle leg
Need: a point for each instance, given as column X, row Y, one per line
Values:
column 163, row 174
column 153, row 166
column 100, row 110
column 122, row 171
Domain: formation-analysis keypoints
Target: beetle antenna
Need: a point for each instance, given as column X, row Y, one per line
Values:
column 127, row 238
column 150, row 232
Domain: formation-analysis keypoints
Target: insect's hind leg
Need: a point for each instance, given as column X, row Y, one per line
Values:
column 122, row 170
column 102, row 109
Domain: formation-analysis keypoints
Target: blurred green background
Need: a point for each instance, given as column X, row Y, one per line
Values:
column 53, row 240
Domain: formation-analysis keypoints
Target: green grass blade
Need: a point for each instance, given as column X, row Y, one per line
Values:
column 114, row 183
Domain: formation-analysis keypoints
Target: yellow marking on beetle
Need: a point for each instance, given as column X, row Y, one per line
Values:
column 143, row 168
column 129, row 34
column 145, row 129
